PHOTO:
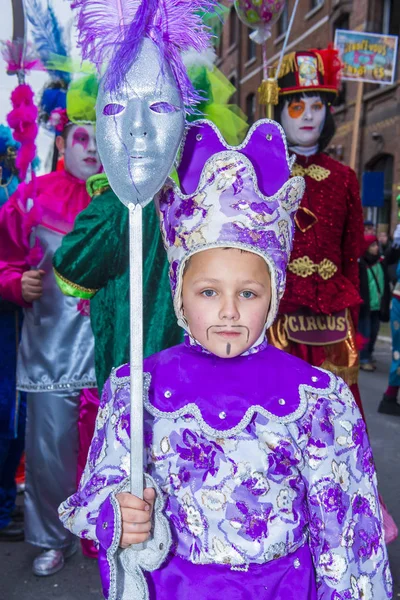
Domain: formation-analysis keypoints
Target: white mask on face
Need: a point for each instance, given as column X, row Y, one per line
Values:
column 81, row 157
column 139, row 128
column 304, row 120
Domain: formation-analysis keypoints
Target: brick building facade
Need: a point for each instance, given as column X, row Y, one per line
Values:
column 314, row 27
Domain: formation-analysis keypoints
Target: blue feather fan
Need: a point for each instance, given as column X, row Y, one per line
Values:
column 47, row 35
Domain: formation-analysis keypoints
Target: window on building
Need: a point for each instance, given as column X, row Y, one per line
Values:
column 384, row 163
column 315, row 3
column 390, row 17
column 342, row 22
column 219, row 48
column 233, row 27
column 251, row 108
column 234, row 98
column 251, row 48
column 283, row 21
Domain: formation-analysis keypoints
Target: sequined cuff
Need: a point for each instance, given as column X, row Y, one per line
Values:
column 97, row 184
column 108, row 522
column 108, row 533
column 121, row 571
column 69, row 288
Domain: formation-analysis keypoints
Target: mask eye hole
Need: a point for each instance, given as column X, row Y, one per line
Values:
column 113, row 109
column 164, row 107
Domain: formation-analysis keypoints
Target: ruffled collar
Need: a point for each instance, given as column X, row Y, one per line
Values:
column 304, row 150
column 53, row 200
column 260, row 345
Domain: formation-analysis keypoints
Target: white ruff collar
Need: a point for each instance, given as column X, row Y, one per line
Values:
column 303, row 150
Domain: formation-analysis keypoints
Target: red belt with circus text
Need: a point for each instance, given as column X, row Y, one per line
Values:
column 306, row 327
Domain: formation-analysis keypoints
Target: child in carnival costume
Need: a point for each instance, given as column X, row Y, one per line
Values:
column 259, row 461
column 56, row 354
column 319, row 311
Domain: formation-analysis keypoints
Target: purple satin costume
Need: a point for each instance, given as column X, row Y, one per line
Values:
column 267, row 474
column 278, row 580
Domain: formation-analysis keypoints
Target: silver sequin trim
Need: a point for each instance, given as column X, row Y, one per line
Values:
column 243, row 568
column 42, row 387
column 194, row 410
column 111, row 552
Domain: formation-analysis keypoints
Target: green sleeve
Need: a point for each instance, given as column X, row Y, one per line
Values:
column 96, row 250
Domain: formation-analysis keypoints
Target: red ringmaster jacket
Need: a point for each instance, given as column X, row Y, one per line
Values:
column 323, row 271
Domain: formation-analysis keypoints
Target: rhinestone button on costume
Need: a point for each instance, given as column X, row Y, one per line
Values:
column 296, row 563
column 282, row 401
column 222, row 415
column 105, row 525
column 167, row 394
column 269, row 137
column 314, row 379
column 199, row 137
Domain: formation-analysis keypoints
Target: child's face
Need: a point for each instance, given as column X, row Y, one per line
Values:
column 374, row 248
column 226, row 296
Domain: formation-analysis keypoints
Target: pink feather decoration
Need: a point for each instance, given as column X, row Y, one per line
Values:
column 111, row 33
column 23, row 121
column 20, row 57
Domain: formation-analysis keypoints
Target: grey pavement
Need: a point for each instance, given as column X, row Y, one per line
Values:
column 79, row 579
column 384, row 433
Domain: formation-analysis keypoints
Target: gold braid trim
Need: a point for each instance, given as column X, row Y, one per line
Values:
column 320, row 62
column 314, row 171
column 100, row 191
column 305, row 267
column 80, row 288
column 348, row 374
column 289, row 65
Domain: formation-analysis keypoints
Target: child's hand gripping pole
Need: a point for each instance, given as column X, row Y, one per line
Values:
column 136, row 349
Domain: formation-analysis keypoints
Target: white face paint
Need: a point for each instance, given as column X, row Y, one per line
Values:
column 81, row 156
column 139, row 128
column 304, row 120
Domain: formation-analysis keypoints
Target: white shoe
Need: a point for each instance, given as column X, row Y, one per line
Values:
column 52, row 561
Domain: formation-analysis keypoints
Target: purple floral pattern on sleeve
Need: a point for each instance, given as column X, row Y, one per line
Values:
column 346, row 533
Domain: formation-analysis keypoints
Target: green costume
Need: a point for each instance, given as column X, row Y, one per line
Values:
column 92, row 263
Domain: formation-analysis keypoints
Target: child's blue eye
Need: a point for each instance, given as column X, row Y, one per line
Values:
column 208, row 293
column 246, row 294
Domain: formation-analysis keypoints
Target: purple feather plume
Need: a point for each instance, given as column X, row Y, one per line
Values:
column 111, row 32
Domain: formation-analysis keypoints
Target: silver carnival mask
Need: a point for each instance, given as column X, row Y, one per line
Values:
column 139, row 128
